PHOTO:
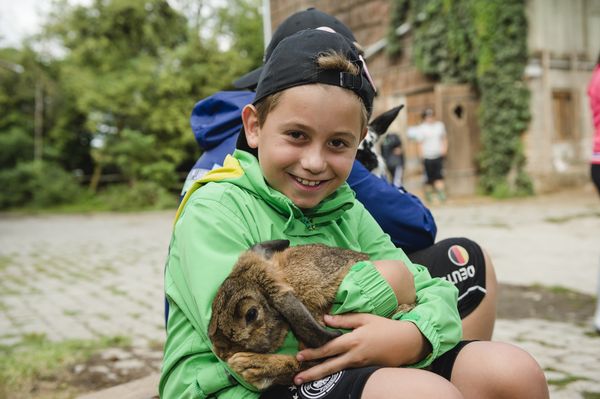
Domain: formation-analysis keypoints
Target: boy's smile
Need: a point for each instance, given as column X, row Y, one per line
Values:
column 308, row 141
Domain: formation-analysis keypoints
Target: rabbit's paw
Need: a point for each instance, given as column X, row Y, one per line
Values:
column 263, row 370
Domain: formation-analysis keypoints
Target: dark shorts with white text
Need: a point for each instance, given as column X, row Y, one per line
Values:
column 460, row 261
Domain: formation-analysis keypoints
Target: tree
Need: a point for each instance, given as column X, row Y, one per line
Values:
column 139, row 66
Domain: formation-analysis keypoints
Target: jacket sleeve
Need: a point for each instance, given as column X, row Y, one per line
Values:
column 207, row 239
column 435, row 314
column 399, row 213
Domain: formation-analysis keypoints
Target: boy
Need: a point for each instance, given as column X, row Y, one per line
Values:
column 309, row 114
column 216, row 122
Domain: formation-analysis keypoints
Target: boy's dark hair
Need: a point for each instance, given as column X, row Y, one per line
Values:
column 426, row 112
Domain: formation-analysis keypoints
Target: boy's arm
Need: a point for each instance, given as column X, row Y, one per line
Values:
column 366, row 290
column 399, row 213
column 399, row 278
column 202, row 252
column 413, row 338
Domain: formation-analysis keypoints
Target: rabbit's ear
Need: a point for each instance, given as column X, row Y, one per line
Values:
column 302, row 322
column 268, row 248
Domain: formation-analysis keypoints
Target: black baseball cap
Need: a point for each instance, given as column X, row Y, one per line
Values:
column 294, row 63
column 310, row 18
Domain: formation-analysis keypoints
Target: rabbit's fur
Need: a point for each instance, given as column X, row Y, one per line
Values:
column 272, row 288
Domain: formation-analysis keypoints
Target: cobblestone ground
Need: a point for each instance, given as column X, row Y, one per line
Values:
column 83, row 276
column 86, row 276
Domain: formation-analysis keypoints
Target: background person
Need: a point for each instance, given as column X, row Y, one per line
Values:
column 594, row 95
column 432, row 148
column 393, row 154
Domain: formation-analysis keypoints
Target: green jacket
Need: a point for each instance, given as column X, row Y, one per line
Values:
column 231, row 209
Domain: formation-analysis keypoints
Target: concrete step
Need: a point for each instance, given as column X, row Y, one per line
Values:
column 143, row 388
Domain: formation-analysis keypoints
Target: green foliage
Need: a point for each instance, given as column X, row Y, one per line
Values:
column 399, row 14
column 17, row 146
column 36, row 184
column 501, row 28
column 140, row 195
column 119, row 96
column 484, row 43
column 138, row 157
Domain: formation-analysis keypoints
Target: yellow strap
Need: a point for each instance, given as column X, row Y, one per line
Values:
column 231, row 169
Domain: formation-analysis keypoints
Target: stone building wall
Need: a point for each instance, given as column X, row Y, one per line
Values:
column 564, row 43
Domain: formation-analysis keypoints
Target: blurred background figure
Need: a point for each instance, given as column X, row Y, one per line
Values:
column 393, row 155
column 432, row 148
column 594, row 94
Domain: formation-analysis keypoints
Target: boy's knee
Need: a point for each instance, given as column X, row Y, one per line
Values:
column 522, row 374
column 499, row 370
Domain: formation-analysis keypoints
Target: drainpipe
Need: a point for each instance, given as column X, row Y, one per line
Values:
column 266, row 12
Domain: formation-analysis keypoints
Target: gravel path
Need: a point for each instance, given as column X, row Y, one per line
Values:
column 86, row 276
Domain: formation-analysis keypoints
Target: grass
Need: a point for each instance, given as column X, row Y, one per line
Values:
column 25, row 366
column 4, row 262
column 116, row 198
column 568, row 218
column 562, row 382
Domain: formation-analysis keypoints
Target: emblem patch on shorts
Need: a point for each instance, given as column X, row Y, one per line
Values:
column 458, row 255
column 320, row 388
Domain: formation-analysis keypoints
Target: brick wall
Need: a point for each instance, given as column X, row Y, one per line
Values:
column 368, row 20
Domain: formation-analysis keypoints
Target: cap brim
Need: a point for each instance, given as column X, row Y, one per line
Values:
column 249, row 80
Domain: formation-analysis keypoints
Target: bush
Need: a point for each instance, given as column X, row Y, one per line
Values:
column 17, row 146
column 140, row 195
column 37, row 185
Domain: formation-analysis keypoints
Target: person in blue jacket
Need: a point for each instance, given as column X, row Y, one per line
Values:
column 216, row 123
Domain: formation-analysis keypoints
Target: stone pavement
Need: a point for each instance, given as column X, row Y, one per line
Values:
column 86, row 276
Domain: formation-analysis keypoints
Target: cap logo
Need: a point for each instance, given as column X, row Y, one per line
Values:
column 326, row 29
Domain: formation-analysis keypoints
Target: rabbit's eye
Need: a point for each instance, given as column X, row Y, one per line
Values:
column 251, row 315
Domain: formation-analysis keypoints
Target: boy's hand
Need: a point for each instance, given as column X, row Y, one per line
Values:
column 374, row 341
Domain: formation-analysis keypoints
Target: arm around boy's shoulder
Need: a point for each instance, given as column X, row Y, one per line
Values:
column 402, row 215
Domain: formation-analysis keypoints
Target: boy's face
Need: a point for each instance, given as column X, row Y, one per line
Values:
column 308, row 142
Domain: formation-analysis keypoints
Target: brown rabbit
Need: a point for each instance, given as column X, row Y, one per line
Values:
column 272, row 288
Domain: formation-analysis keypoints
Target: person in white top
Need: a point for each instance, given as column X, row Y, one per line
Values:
column 433, row 146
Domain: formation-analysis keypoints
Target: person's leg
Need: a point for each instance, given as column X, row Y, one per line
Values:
column 400, row 383
column 440, row 189
column 438, row 177
column 369, row 383
column 464, row 263
column 595, row 172
column 479, row 324
column 428, row 183
column 497, row 370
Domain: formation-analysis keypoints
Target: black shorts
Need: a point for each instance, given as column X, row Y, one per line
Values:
column 595, row 173
column 433, row 169
column 460, row 261
column 349, row 384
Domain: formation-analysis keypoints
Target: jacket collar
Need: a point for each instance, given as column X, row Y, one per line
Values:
column 330, row 209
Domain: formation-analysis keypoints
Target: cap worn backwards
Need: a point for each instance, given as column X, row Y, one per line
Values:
column 310, row 18
column 294, row 63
